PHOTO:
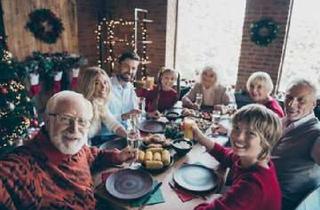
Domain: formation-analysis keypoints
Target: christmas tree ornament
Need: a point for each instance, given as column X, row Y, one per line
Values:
column 11, row 106
column 3, row 90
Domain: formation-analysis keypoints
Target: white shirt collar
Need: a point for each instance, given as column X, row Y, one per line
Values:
column 296, row 123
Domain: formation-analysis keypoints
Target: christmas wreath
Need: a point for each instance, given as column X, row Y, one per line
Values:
column 45, row 25
column 263, row 32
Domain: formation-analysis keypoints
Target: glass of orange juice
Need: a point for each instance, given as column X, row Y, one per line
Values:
column 187, row 128
column 149, row 83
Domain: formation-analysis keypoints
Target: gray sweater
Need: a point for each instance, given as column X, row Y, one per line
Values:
column 298, row 173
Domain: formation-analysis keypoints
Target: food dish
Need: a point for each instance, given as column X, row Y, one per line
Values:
column 119, row 143
column 195, row 177
column 129, row 184
column 152, row 126
column 172, row 115
column 182, row 146
column 155, row 160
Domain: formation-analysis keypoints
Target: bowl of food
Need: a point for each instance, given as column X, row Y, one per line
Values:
column 182, row 146
column 155, row 160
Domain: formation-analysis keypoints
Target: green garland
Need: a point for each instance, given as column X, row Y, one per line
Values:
column 45, row 25
column 263, row 32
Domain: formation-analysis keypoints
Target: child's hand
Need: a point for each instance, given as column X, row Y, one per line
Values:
column 201, row 138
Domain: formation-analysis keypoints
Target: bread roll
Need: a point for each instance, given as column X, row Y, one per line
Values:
column 155, row 149
column 141, row 156
column 166, row 159
column 148, row 156
column 157, row 156
column 153, row 164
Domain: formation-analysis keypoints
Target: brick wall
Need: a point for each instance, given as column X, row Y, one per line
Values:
column 253, row 57
column 87, row 12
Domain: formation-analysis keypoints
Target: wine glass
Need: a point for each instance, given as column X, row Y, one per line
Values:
column 198, row 103
column 133, row 138
column 142, row 107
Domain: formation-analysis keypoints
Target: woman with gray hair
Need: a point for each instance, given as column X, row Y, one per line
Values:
column 213, row 93
column 95, row 85
column 259, row 87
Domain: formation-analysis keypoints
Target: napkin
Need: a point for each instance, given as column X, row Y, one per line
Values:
column 182, row 194
column 155, row 198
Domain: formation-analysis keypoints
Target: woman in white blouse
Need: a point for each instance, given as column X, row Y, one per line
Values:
column 95, row 85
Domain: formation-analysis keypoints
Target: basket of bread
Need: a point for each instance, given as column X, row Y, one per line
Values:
column 155, row 159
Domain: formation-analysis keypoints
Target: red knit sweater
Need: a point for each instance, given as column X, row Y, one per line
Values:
column 275, row 107
column 254, row 188
column 38, row 176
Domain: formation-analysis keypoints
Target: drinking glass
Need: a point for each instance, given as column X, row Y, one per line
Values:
column 216, row 115
column 142, row 107
column 133, row 138
column 198, row 103
column 187, row 128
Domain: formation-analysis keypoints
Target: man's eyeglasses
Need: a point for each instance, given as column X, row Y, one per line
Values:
column 67, row 120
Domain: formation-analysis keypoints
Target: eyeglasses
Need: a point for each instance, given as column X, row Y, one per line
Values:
column 67, row 120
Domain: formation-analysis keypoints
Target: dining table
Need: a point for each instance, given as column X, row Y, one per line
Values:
column 197, row 155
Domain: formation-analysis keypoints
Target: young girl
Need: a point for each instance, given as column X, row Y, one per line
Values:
column 163, row 96
column 95, row 86
column 254, row 183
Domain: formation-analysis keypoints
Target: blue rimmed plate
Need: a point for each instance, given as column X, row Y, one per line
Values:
column 195, row 177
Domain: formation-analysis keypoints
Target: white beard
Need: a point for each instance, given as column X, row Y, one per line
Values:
column 69, row 148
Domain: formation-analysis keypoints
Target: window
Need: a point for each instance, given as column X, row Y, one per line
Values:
column 208, row 34
column 303, row 47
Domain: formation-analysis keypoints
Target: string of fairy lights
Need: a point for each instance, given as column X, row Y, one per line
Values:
column 107, row 40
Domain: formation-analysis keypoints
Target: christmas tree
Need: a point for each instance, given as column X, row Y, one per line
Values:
column 16, row 108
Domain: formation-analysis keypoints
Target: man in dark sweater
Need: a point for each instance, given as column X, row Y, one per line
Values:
column 53, row 171
column 297, row 153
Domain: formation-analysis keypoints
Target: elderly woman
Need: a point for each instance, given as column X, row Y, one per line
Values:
column 95, row 85
column 259, row 87
column 213, row 93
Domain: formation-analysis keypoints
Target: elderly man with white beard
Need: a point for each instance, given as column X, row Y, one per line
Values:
column 54, row 170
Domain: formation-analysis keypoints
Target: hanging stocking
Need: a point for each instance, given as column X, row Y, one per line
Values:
column 57, row 82
column 35, row 86
column 74, row 80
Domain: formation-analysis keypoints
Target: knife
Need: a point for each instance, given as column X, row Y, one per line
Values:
column 143, row 204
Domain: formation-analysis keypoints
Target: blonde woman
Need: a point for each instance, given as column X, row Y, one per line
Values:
column 259, row 87
column 95, row 85
column 213, row 93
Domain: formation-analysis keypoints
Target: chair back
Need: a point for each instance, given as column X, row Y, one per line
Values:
column 311, row 202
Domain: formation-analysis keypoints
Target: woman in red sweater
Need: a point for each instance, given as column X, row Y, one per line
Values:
column 254, row 183
column 163, row 96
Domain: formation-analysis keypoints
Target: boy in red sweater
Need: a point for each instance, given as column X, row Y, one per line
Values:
column 254, row 182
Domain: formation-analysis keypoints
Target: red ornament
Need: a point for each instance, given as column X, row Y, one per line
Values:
column 3, row 90
column 34, row 123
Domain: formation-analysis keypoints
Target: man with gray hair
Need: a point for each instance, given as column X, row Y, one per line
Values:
column 54, row 170
column 297, row 153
